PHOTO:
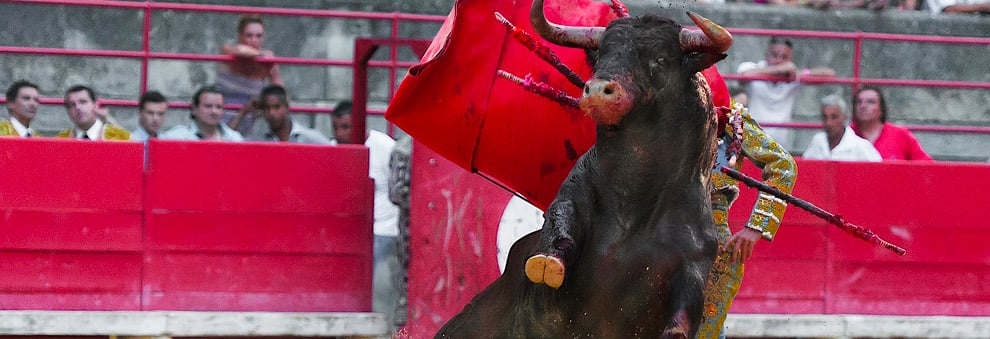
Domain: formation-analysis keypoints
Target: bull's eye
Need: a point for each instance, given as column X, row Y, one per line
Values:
column 661, row 62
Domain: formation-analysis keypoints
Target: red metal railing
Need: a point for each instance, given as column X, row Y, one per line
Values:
column 857, row 80
column 145, row 55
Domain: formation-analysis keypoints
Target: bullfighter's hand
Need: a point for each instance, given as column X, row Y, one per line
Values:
column 742, row 243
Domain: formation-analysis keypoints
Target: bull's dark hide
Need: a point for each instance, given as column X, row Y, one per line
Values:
column 632, row 223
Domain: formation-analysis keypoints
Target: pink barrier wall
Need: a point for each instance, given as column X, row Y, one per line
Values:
column 207, row 226
column 934, row 210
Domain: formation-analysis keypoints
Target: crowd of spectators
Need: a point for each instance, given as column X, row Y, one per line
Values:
column 206, row 123
column 772, row 101
column 255, row 85
column 771, row 97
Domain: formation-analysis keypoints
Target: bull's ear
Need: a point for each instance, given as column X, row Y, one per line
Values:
column 696, row 62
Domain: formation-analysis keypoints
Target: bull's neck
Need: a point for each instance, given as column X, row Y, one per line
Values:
column 645, row 158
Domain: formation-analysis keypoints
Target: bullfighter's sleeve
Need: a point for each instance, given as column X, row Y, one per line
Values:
column 779, row 171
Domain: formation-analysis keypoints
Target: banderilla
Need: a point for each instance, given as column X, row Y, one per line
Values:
column 834, row 219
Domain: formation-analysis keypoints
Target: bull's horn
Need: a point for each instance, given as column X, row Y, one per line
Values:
column 568, row 36
column 712, row 37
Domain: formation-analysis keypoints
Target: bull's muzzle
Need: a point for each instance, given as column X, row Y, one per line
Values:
column 605, row 101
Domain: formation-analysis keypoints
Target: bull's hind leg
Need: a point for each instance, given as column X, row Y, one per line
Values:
column 547, row 266
column 687, row 301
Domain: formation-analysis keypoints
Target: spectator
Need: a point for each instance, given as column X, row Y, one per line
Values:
column 958, row 6
column 773, row 101
column 205, row 111
column 22, row 104
column 274, row 104
column 82, row 107
column 387, row 275
column 399, row 183
column 244, row 77
column 838, row 141
column 870, row 123
column 151, row 114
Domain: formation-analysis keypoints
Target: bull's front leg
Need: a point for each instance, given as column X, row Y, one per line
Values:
column 564, row 225
column 557, row 241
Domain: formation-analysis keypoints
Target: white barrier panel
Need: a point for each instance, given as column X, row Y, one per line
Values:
column 180, row 323
column 844, row 326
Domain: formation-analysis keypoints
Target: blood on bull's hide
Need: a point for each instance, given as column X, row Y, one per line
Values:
column 628, row 241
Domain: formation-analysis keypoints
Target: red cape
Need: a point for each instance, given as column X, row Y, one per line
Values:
column 454, row 102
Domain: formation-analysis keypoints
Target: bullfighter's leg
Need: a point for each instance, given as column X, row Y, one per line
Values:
column 723, row 283
column 547, row 266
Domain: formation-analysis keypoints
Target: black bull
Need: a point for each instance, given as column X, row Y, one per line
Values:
column 628, row 241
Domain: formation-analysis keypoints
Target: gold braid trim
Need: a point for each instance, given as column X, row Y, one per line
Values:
column 115, row 133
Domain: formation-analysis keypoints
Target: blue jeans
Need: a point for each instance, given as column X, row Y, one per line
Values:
column 386, row 279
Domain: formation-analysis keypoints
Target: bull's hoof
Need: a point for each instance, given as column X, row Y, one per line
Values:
column 543, row 269
column 678, row 327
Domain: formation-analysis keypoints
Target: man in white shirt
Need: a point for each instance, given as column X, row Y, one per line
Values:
column 206, row 110
column 773, row 101
column 22, row 104
column 387, row 269
column 274, row 105
column 838, row 141
column 152, row 107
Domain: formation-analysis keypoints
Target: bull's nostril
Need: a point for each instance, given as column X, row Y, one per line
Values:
column 608, row 90
column 587, row 89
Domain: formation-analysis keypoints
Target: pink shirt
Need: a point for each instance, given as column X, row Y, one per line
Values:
column 897, row 143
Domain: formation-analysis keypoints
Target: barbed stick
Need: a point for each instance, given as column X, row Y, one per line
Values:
column 855, row 230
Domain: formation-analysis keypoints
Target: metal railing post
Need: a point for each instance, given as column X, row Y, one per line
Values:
column 146, row 46
column 857, row 60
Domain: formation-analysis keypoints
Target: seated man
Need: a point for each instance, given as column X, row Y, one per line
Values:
column 387, row 274
column 151, row 114
column 274, row 107
column 839, row 141
column 81, row 105
column 206, row 110
column 773, row 101
column 22, row 104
